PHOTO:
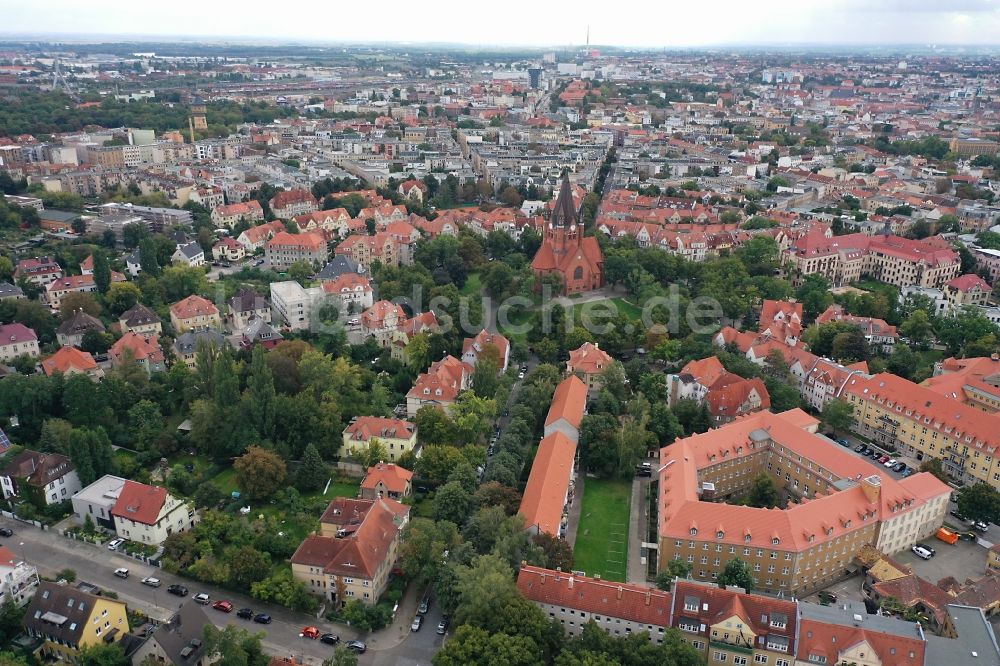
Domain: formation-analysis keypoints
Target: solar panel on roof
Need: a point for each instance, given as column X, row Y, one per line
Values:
column 4, row 441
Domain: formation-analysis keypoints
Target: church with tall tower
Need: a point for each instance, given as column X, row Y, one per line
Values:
column 565, row 251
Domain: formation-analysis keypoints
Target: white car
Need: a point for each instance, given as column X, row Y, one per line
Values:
column 890, row 462
column 922, row 552
column 121, row 572
column 202, row 598
column 152, row 582
column 114, row 543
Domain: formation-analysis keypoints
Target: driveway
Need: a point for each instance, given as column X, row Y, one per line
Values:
column 964, row 559
column 638, row 529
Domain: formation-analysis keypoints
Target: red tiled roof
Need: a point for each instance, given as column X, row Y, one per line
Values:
column 69, row 358
column 15, row 333
column 568, row 402
column 366, row 427
column 635, row 603
column 969, row 282
column 548, row 483
column 475, row 345
column 140, row 502
column 193, row 306
column 142, row 349
column 307, row 240
column 829, row 640
column 392, row 476
column 589, row 359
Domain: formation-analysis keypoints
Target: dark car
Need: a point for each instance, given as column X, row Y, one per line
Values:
column 6, row 531
column 262, row 618
column 843, row 442
column 899, row 467
column 329, row 639
column 245, row 613
column 827, row 598
column 860, row 448
column 179, row 590
column 356, row 646
column 424, row 606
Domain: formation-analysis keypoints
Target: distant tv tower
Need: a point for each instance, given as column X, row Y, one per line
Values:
column 588, row 35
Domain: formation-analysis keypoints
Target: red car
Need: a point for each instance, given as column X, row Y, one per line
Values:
column 224, row 606
column 309, row 632
column 882, row 459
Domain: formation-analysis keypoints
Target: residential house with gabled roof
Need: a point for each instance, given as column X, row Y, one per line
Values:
column 569, row 404
column 356, row 549
column 194, row 313
column 254, row 238
column 42, row 478
column 353, row 290
column 228, row 249
column 877, row 332
column 189, row 254
column 11, row 292
column 232, row 214
column 58, row 289
column 71, row 361
column 39, row 271
column 186, row 345
column 339, row 265
column 387, row 480
column 439, row 386
column 17, row 340
column 381, row 319
column 180, row 640
column 149, row 514
column 284, row 249
column 141, row 320
column 550, row 488
column 288, row 204
column 967, row 289
column 781, row 321
column 247, row 304
column 396, row 435
column 260, row 332
column 68, row 620
column 589, row 362
column 144, row 351
column 71, row 331
column 472, row 347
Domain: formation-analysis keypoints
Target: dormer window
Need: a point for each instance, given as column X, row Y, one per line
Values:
column 720, row 534
column 775, row 541
column 747, row 537
column 694, row 531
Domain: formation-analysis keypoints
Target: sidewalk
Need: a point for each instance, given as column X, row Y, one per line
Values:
column 573, row 521
column 399, row 630
column 637, row 526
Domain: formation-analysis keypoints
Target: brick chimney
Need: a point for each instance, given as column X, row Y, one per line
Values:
column 570, row 583
column 872, row 486
column 620, row 590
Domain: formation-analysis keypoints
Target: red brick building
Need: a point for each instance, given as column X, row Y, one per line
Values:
column 565, row 252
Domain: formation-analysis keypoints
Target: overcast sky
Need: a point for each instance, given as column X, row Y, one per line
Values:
column 655, row 23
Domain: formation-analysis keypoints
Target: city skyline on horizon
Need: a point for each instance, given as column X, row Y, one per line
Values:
column 772, row 23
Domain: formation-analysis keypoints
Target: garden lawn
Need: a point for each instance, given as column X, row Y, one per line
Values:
column 602, row 537
column 226, row 481
column 473, row 285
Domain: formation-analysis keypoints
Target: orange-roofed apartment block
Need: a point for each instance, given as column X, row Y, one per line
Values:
column 924, row 423
column 569, row 403
column 354, row 552
column 284, row 249
column 549, row 491
column 837, row 503
column 194, row 313
column 588, row 363
column 395, row 435
column 439, row 386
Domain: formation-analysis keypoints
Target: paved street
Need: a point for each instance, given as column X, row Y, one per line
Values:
column 637, row 528
column 51, row 553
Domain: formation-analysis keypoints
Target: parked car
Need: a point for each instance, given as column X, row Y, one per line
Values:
column 922, row 553
column 152, row 582
column 179, row 590
column 418, row 621
column 909, row 471
column 860, row 448
column 245, row 614
column 356, row 646
column 891, row 462
column 874, row 455
column 425, row 605
column 121, row 572
column 309, row 632
column 899, row 467
column 827, row 598
column 6, row 531
column 882, row 459
column 927, row 548
column 114, row 543
column 329, row 639
column 520, row 375
column 843, row 442
column 202, row 598
column 224, row 606
column 979, row 525
column 443, row 626
column 262, row 618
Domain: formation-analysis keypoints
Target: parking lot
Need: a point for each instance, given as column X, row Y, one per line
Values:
column 964, row 559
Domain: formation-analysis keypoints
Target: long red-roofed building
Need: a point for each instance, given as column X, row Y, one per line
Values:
column 549, row 490
column 569, row 403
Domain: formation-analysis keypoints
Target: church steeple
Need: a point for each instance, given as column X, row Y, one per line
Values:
column 564, row 213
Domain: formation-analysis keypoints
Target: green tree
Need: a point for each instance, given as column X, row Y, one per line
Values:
column 148, row 260
column 676, row 568
column 259, row 473
column 122, row 296
column 423, row 547
column 933, row 466
column 102, row 271
column 452, row 503
column 234, row 646
column 917, row 327
column 145, row 423
column 472, row 646
column 107, row 654
column 341, row 657
column 737, row 573
column 980, row 502
column 313, row 472
column 300, row 271
column 259, row 398
column 763, row 492
column 838, row 415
